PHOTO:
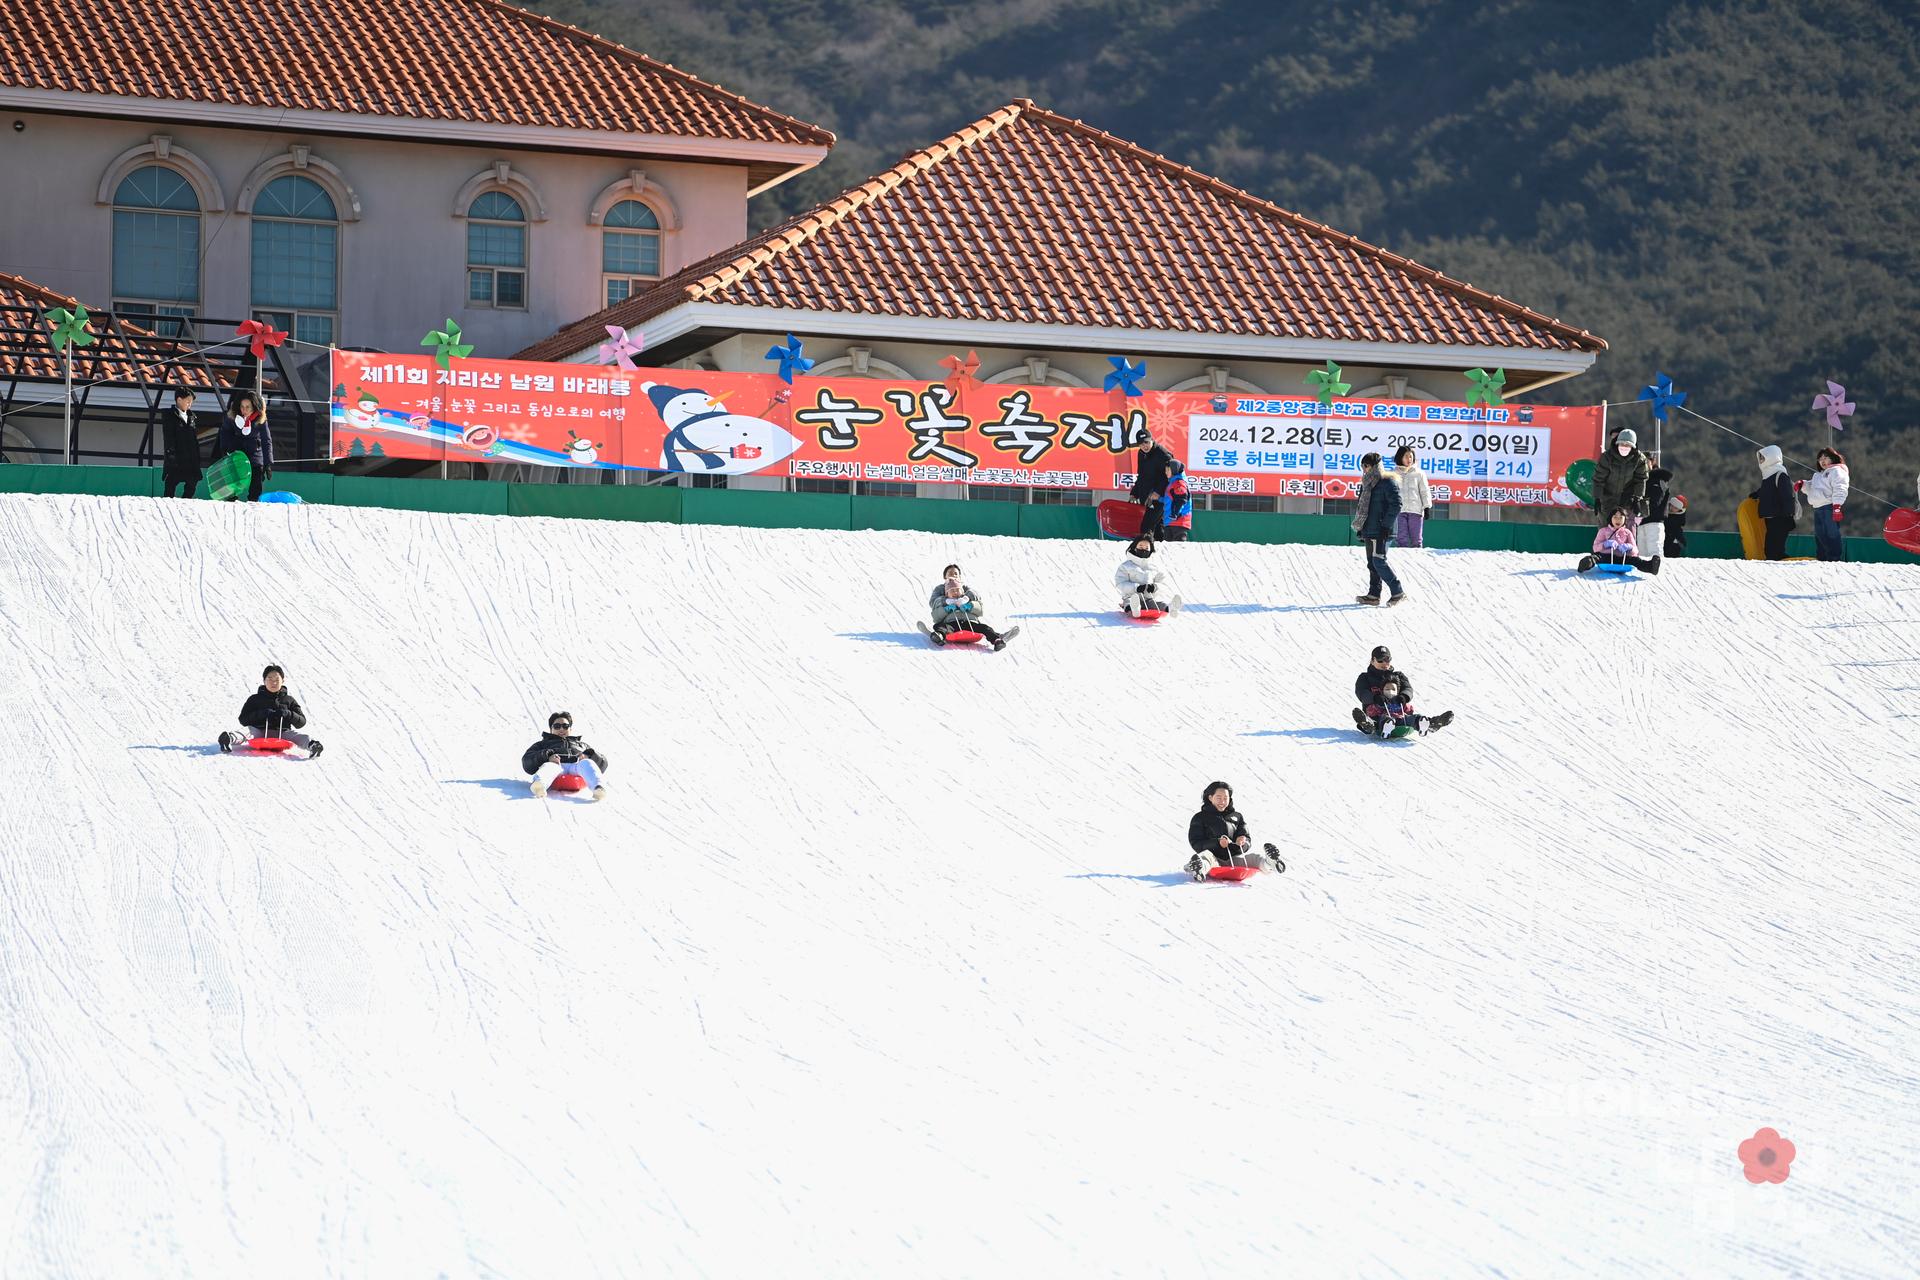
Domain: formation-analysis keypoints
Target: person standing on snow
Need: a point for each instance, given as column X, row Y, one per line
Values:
column 180, row 436
column 1826, row 493
column 272, row 712
column 957, row 607
column 1141, row 585
column 1374, row 522
column 560, row 752
column 245, row 431
column 1218, row 836
column 1620, row 478
column 1155, row 464
column 1779, row 504
column 1416, row 500
column 1650, row 536
column 1176, row 507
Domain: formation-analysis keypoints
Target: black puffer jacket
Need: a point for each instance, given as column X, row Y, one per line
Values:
column 1366, row 689
column 568, row 749
column 1208, row 825
column 1156, row 463
column 1659, row 494
column 271, row 710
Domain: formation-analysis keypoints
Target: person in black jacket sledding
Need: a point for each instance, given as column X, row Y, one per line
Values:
column 1218, row 836
column 559, row 752
column 272, row 712
column 1367, row 691
column 1155, row 465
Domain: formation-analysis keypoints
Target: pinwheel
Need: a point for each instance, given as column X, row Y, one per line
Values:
column 960, row 373
column 1125, row 375
column 623, row 347
column 69, row 331
column 1485, row 388
column 1663, row 396
column 1836, row 404
column 1326, row 383
column 791, row 361
column 260, row 335
column 447, row 344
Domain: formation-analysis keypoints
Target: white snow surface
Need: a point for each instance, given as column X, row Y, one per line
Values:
column 877, row 961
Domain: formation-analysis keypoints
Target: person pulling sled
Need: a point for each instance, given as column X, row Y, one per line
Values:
column 1218, row 837
column 560, row 753
column 1143, row 587
column 957, row 607
column 272, row 712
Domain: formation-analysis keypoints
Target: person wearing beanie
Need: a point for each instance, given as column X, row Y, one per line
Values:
column 561, row 751
column 1369, row 690
column 1826, row 493
column 1676, row 527
column 1380, row 505
column 1176, row 507
column 1218, row 836
column 1142, row 584
column 957, row 607
column 1779, row 504
column 272, row 712
column 1620, row 478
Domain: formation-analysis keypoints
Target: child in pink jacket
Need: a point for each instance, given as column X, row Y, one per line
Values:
column 1615, row 542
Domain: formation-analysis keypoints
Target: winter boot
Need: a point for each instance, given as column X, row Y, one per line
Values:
column 313, row 748
column 1362, row 721
column 1396, row 599
column 226, row 742
column 1653, row 565
column 599, row 793
column 1586, row 563
column 1442, row 720
column 1196, row 868
column 539, row 788
column 1366, row 599
column 1273, row 857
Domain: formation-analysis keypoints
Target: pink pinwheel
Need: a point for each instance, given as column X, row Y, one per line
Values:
column 623, row 348
column 1836, row 404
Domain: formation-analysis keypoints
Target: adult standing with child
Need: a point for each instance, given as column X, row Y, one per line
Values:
column 1620, row 478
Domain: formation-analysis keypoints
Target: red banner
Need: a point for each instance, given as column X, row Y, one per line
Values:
column 704, row 423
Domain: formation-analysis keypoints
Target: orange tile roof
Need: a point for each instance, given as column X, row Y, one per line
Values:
column 1033, row 218
column 124, row 355
column 478, row 61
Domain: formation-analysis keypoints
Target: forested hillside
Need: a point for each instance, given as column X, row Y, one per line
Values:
column 1729, row 192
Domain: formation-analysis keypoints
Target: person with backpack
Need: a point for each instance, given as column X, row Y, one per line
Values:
column 1779, row 504
column 1218, row 836
column 561, row 751
column 1176, row 507
column 1379, row 507
column 1826, row 493
column 272, row 712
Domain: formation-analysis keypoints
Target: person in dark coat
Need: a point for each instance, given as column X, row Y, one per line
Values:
column 1155, row 464
column 1377, row 520
column 1218, row 835
column 561, row 751
column 180, row 447
column 1779, row 504
column 272, row 712
column 1651, row 536
column 1620, row 477
column 245, row 431
column 1676, row 528
column 1369, row 691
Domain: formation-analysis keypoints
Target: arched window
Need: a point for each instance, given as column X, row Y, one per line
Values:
column 296, row 259
column 496, row 251
column 156, row 245
column 629, row 250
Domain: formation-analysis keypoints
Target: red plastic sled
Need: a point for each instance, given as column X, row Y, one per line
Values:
column 1119, row 519
column 1232, row 873
column 964, row 637
column 1903, row 529
column 268, row 744
column 569, row 782
column 1148, row 615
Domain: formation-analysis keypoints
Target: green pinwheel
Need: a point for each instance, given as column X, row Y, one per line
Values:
column 69, row 327
column 447, row 344
column 1486, row 387
column 1326, row 383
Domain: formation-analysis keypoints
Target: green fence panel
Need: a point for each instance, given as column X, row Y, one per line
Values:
column 756, row 509
column 1477, row 535
column 1056, row 522
column 936, row 515
column 312, row 486
column 486, row 497
column 656, row 502
column 109, row 482
column 1271, row 528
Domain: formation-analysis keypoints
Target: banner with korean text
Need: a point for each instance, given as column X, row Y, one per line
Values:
column 966, row 432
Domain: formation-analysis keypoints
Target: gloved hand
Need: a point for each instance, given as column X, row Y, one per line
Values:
column 971, row 606
column 955, row 604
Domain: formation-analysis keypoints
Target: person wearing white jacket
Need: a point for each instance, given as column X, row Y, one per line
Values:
column 1826, row 493
column 1141, row 585
column 1409, row 527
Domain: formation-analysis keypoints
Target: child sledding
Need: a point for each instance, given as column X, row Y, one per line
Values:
column 1147, row 592
column 957, row 611
column 1386, row 701
column 1614, row 547
column 273, row 719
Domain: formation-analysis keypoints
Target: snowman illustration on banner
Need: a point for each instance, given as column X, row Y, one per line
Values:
column 703, row 437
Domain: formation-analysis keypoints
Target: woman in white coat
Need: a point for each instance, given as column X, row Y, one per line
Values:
column 1409, row 527
column 1826, row 493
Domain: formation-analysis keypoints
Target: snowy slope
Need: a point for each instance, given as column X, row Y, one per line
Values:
column 875, row 963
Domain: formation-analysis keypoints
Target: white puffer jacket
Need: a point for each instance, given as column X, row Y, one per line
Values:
column 1414, row 498
column 1829, row 488
column 1135, row 573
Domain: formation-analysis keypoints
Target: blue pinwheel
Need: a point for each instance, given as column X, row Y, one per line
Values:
column 1663, row 396
column 791, row 361
column 1126, row 376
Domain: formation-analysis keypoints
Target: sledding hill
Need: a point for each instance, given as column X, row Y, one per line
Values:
column 876, row 962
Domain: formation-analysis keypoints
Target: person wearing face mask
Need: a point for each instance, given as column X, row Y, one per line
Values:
column 1142, row 584
column 1369, row 690
column 1779, row 504
column 1620, row 478
column 245, row 431
column 957, row 607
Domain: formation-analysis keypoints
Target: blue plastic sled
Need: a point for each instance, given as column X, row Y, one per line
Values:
column 1613, row 566
column 280, row 495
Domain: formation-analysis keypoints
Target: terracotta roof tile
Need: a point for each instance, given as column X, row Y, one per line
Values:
column 477, row 61
column 124, row 355
column 1030, row 217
